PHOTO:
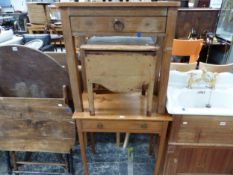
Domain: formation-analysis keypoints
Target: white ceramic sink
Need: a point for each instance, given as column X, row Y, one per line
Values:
column 201, row 100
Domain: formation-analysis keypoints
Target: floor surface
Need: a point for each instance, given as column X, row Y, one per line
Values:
column 108, row 160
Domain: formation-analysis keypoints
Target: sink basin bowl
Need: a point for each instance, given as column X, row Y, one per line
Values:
column 200, row 101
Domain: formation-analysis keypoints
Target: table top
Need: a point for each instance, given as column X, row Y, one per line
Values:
column 130, row 106
column 120, row 4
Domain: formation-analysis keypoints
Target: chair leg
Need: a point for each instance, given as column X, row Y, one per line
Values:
column 13, row 161
column 150, row 93
column 92, row 138
column 143, row 90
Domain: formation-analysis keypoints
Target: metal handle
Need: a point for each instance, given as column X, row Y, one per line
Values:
column 99, row 125
column 144, row 126
column 118, row 25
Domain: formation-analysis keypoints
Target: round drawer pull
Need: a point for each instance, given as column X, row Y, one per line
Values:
column 118, row 25
column 99, row 125
column 144, row 126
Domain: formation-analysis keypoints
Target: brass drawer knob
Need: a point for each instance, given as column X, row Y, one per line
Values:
column 99, row 125
column 144, row 126
column 118, row 25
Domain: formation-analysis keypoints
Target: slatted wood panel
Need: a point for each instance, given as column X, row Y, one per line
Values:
column 36, row 13
column 36, row 125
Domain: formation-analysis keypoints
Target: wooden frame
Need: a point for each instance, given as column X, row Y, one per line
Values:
column 77, row 13
column 156, row 19
column 108, row 119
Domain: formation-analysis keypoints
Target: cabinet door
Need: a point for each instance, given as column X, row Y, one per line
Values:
column 202, row 130
column 199, row 160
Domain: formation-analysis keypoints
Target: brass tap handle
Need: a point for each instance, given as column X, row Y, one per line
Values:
column 118, row 25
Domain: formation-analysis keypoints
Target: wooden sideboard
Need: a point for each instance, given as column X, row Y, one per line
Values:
column 200, row 145
column 200, row 19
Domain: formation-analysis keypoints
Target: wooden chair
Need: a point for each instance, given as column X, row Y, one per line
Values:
column 35, row 115
column 120, row 69
column 216, row 68
column 183, row 67
column 38, row 13
column 190, row 48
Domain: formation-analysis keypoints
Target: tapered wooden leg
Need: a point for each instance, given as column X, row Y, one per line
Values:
column 161, row 148
column 118, row 137
column 85, row 139
column 90, row 98
column 82, row 148
column 151, row 144
column 92, row 136
column 157, row 147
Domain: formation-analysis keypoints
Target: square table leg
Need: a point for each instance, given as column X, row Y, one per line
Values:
column 161, row 147
column 82, row 147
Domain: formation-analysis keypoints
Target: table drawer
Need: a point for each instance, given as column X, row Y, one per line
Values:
column 203, row 129
column 124, row 126
column 118, row 24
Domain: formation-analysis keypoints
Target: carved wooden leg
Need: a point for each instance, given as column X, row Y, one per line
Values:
column 82, row 148
column 90, row 98
column 161, row 148
column 150, row 94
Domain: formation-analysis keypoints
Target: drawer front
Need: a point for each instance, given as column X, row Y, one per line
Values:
column 116, row 11
column 123, row 126
column 203, row 129
column 118, row 24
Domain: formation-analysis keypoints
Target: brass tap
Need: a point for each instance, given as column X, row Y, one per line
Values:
column 212, row 82
column 205, row 77
column 190, row 81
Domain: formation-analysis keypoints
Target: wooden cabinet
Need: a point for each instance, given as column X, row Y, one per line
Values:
column 200, row 145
